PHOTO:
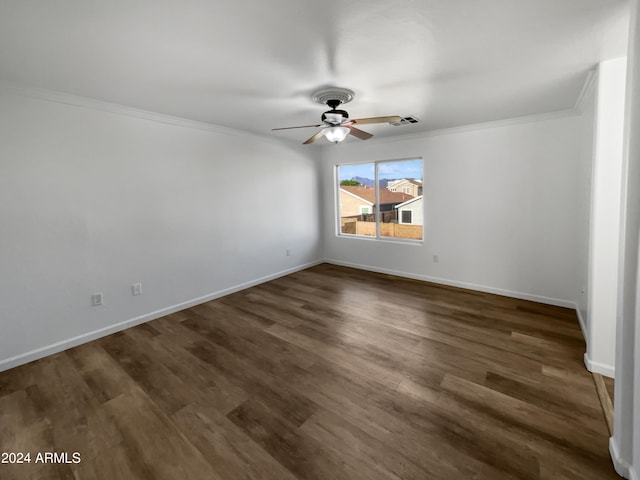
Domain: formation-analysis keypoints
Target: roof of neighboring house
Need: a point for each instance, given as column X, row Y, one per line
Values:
column 415, row 199
column 402, row 180
column 368, row 194
column 357, row 196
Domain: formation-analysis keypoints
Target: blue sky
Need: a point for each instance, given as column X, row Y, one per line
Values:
column 389, row 170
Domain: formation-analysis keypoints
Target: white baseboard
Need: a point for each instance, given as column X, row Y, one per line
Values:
column 36, row 354
column 583, row 324
column 454, row 283
column 597, row 367
column 622, row 468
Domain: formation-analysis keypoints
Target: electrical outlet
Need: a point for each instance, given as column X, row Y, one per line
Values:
column 288, row 252
column 136, row 289
column 97, row 299
column 436, row 258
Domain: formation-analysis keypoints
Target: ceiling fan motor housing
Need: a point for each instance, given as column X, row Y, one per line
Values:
column 335, row 117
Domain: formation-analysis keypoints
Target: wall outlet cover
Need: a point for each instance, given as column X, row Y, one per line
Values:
column 97, row 299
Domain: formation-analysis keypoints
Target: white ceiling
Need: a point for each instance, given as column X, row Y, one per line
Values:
column 252, row 64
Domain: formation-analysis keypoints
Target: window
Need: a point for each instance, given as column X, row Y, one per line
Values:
column 368, row 206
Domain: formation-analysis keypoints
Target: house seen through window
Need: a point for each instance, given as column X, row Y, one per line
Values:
column 381, row 199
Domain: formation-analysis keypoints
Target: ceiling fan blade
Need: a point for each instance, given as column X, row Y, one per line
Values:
column 302, row 126
column 362, row 135
column 314, row 138
column 361, row 121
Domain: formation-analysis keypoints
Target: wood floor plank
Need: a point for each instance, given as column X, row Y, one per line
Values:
column 432, row 437
column 329, row 372
column 336, row 354
column 549, row 399
column 479, row 421
column 297, row 451
column 256, row 382
column 21, row 430
column 605, row 400
column 542, row 421
column 101, row 372
column 347, row 440
column 165, row 389
column 232, row 453
column 153, row 443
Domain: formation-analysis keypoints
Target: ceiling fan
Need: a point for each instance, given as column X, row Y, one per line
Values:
column 336, row 124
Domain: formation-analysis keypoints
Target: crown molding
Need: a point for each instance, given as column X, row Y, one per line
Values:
column 576, row 110
column 540, row 117
column 93, row 104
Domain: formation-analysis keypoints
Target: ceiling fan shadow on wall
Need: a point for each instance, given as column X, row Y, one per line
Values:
column 336, row 124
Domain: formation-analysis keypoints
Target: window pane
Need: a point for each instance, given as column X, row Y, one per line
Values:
column 397, row 207
column 357, row 199
column 401, row 199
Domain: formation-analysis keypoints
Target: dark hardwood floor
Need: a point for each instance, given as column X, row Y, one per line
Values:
column 605, row 388
column 329, row 373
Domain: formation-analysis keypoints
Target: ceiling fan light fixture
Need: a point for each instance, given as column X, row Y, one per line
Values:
column 336, row 134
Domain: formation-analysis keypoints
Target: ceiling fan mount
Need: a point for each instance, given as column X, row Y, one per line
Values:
column 336, row 123
column 333, row 94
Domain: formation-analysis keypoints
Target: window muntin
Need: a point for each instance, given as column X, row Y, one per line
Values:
column 370, row 207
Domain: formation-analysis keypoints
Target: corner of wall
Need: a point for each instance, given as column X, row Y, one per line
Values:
column 583, row 324
column 589, row 84
column 597, row 367
column 621, row 467
column 454, row 283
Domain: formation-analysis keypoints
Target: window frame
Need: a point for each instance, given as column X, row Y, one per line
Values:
column 376, row 204
column 410, row 212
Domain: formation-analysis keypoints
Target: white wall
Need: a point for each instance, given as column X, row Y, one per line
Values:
column 605, row 217
column 502, row 209
column 94, row 200
column 625, row 443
